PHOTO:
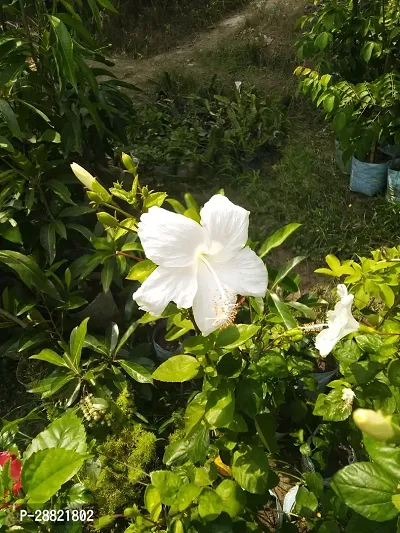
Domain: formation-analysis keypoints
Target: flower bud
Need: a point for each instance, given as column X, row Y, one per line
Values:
column 131, row 512
column 129, row 163
column 374, row 424
column 83, row 176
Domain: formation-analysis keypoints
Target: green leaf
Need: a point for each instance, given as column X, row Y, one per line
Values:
column 277, row 238
column 249, row 396
column 220, row 406
column 151, row 498
column 266, row 429
column 387, row 456
column 250, row 468
column 359, row 524
column 331, row 527
column 48, row 241
column 366, row 51
column 177, row 369
column 95, row 12
column 273, row 365
column 332, row 407
column 393, row 373
column 387, row 294
column 141, row 270
column 65, row 48
column 66, row 432
column 10, row 233
column 306, row 503
column 285, row 269
column 315, row 483
column 323, row 40
column 368, row 490
column 60, row 190
column 233, row 497
column 235, row 335
column 50, row 357
column 177, row 206
column 283, row 311
column 186, row 495
column 107, row 274
column 10, row 118
column 76, row 342
column 77, row 25
column 210, row 504
column 194, row 412
column 167, row 484
column 329, row 103
column 76, row 211
column 108, row 5
column 155, row 198
column 137, row 372
column 50, row 135
column 49, row 386
column 365, row 371
column 60, row 228
column 340, row 121
column 44, row 473
column 29, row 272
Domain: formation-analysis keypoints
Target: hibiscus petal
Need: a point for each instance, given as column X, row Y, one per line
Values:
column 244, row 274
column 214, row 306
column 325, row 342
column 169, row 239
column 227, row 227
column 166, row 285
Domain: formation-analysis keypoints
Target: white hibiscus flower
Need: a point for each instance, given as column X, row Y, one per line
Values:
column 203, row 266
column 340, row 323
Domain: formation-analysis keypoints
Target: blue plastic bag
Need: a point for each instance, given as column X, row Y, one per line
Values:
column 393, row 184
column 368, row 178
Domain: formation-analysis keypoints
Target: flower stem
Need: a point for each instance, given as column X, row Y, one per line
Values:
column 134, row 257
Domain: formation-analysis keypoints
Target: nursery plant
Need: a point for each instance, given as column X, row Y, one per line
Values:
column 269, row 389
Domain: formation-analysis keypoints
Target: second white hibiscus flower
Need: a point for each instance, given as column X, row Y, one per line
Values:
column 203, row 266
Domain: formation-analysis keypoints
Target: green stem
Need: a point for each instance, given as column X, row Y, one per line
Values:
column 117, row 208
column 8, row 315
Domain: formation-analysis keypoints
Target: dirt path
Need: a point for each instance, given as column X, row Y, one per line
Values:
column 139, row 71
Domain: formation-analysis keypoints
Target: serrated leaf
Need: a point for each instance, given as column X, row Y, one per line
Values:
column 368, row 490
column 66, row 432
column 45, row 471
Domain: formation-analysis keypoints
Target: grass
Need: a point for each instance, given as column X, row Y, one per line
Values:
column 147, row 27
column 304, row 185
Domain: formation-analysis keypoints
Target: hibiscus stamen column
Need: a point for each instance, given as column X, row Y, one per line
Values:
column 225, row 312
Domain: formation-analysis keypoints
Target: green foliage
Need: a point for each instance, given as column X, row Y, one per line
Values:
column 204, row 134
column 354, row 71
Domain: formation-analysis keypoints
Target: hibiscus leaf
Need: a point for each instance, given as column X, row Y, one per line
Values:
column 45, row 471
column 234, row 336
column 66, row 432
